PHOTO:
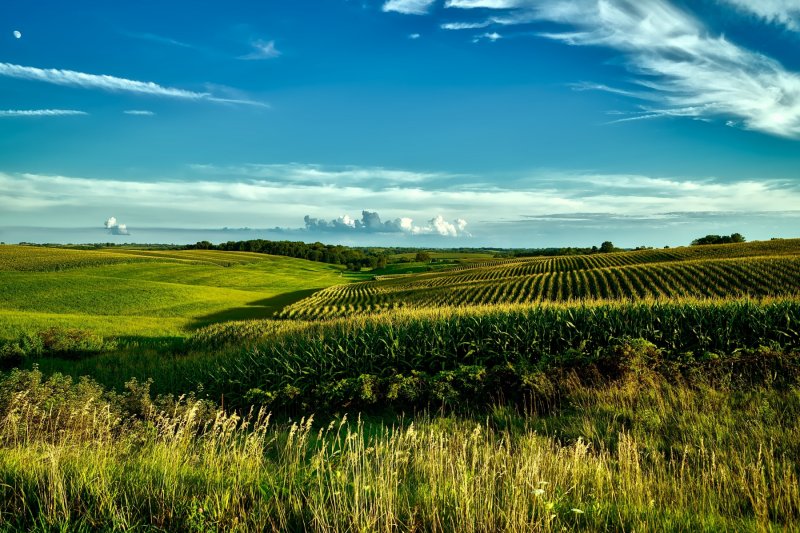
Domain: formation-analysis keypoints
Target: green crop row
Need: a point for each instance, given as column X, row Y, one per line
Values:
column 308, row 364
column 718, row 278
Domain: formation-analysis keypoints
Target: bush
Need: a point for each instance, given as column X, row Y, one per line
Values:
column 54, row 342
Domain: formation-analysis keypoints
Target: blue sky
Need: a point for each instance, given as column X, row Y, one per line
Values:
column 460, row 122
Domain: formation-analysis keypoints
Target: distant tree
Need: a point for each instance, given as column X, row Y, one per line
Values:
column 719, row 239
column 203, row 245
column 422, row 257
column 607, row 247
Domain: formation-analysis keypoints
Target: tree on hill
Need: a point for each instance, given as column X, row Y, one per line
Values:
column 719, row 239
column 607, row 247
column 422, row 257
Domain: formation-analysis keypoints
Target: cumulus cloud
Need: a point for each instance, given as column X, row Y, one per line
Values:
column 681, row 66
column 408, row 7
column 262, row 50
column 371, row 222
column 40, row 112
column 71, row 78
column 785, row 12
column 115, row 228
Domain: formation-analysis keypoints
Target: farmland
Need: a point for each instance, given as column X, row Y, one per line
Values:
column 204, row 390
column 756, row 269
column 147, row 293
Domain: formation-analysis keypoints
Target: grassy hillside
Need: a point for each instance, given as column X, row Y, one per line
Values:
column 754, row 269
column 645, row 410
column 147, row 293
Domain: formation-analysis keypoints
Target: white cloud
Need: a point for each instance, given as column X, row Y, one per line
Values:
column 377, row 178
column 115, row 228
column 465, row 25
column 688, row 71
column 493, row 37
column 262, row 50
column 785, row 12
column 370, row 222
column 414, row 36
column 71, row 78
column 139, row 112
column 408, row 7
column 232, row 201
column 40, row 112
column 486, row 4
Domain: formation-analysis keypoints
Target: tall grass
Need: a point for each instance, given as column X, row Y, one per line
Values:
column 638, row 455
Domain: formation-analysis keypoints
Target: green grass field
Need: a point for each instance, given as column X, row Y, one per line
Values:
column 655, row 390
column 148, row 293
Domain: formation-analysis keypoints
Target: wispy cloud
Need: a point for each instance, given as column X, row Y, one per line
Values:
column 408, row 7
column 373, row 178
column 465, row 25
column 487, row 4
column 41, row 112
column 678, row 62
column 414, row 36
column 139, row 112
column 785, row 12
column 266, row 202
column 158, row 39
column 104, row 82
column 262, row 50
column 488, row 36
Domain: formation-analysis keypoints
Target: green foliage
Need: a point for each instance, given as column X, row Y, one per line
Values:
column 607, row 247
column 422, row 257
column 734, row 238
column 467, row 356
column 54, row 342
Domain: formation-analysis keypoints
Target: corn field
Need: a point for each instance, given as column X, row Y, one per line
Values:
column 757, row 270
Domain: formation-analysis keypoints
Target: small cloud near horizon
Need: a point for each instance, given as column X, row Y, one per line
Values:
column 371, row 222
column 115, row 228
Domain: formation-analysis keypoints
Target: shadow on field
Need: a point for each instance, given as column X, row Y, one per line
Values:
column 255, row 310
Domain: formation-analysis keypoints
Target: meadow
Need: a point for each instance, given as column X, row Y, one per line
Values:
column 199, row 390
column 147, row 293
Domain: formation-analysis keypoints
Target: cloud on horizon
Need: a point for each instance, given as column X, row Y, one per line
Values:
column 115, row 228
column 217, row 201
column 370, row 222
column 680, row 67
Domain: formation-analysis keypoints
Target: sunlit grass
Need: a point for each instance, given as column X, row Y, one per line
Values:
column 688, row 458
